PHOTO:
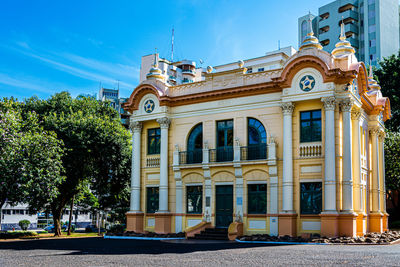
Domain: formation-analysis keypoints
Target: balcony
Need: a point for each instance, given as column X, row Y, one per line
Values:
column 191, row 157
column 349, row 14
column 310, row 150
column 253, row 152
column 188, row 71
column 221, row 154
column 153, row 162
column 351, row 28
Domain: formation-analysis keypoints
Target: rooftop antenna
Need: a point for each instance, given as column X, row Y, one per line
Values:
column 172, row 45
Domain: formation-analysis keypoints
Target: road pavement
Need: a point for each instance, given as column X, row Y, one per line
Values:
column 108, row 252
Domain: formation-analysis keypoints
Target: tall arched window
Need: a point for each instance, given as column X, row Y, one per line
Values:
column 257, row 140
column 194, row 152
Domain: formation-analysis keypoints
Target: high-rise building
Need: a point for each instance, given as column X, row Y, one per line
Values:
column 371, row 26
column 116, row 102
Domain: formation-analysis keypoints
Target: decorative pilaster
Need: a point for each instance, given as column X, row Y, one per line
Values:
column 356, row 141
column 375, row 217
column 346, row 106
column 347, row 218
column 287, row 110
column 163, row 217
column 136, row 128
column 381, row 137
column 287, row 218
column 273, row 188
column 164, row 125
column 134, row 218
column 329, row 217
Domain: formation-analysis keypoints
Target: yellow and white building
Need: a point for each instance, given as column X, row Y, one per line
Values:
column 294, row 146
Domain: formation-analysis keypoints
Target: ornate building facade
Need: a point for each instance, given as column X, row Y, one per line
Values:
column 285, row 151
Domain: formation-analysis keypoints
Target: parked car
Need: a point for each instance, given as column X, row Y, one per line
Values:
column 91, row 228
column 64, row 227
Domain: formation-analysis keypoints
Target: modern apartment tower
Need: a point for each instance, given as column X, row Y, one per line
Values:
column 371, row 26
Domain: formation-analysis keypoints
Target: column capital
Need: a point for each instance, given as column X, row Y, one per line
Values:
column 381, row 136
column 374, row 131
column 355, row 114
column 164, row 122
column 346, row 104
column 287, row 108
column 329, row 102
column 135, row 126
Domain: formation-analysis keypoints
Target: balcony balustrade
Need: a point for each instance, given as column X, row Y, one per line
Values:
column 191, row 157
column 221, row 154
column 253, row 152
column 310, row 150
column 153, row 162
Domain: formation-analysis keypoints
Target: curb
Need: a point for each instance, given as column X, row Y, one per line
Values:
column 281, row 243
column 143, row 238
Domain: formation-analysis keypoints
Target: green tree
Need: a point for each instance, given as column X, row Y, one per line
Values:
column 97, row 148
column 30, row 158
column 388, row 77
column 392, row 170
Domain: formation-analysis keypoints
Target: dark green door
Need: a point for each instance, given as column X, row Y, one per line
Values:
column 224, row 206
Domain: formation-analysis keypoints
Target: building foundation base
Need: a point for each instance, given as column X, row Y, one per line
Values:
column 348, row 224
column 329, row 224
column 361, row 224
column 385, row 222
column 163, row 223
column 376, row 222
column 134, row 222
column 287, row 224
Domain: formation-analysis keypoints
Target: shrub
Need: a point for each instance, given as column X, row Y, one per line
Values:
column 117, row 228
column 17, row 234
column 24, row 224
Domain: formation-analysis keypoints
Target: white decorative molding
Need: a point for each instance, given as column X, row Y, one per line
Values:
column 164, row 122
column 153, row 176
column 193, row 222
column 151, row 222
column 135, row 126
column 311, row 226
column 311, row 169
column 329, row 102
column 287, row 108
column 257, row 224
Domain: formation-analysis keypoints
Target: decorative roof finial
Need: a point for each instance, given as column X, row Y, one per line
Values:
column 155, row 64
column 372, row 83
column 343, row 47
column 342, row 34
column 310, row 41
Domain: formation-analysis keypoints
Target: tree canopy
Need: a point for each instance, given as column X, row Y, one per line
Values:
column 388, row 77
column 30, row 158
column 97, row 148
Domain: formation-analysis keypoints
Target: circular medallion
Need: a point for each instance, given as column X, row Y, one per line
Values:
column 307, row 83
column 149, row 106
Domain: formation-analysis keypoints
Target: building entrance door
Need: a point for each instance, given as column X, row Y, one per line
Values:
column 224, row 205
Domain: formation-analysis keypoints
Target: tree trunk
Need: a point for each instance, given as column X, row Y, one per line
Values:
column 70, row 216
column 56, row 220
column 1, row 210
column 99, row 223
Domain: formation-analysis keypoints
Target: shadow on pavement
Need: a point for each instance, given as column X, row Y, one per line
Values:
column 100, row 246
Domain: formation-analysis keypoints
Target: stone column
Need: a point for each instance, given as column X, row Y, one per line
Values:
column 347, row 220
column 287, row 218
column 163, row 217
column 346, row 106
column 358, row 187
column 135, row 215
column 381, row 137
column 329, row 217
column 164, row 124
column 375, row 217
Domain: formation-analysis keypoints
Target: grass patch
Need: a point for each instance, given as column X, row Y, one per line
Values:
column 18, row 234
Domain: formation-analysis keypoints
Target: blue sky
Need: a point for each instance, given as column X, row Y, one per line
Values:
column 52, row 46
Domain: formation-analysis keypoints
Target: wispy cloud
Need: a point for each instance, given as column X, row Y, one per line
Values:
column 86, row 68
column 25, row 83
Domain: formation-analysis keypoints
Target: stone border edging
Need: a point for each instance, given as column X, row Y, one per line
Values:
column 282, row 243
column 141, row 238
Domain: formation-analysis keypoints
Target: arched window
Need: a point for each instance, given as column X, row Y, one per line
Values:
column 194, row 152
column 257, row 140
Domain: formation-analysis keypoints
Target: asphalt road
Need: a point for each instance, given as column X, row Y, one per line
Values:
column 107, row 252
